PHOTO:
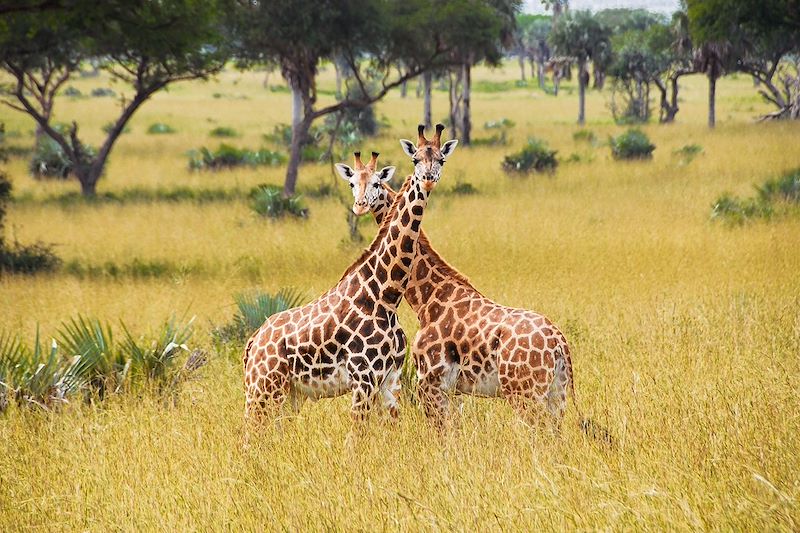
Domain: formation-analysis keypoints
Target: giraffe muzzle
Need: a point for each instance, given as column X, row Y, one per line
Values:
column 359, row 210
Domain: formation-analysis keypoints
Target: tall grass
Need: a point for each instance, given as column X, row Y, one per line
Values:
column 685, row 334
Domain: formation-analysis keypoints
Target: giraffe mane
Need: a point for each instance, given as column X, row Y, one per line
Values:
column 440, row 264
column 382, row 230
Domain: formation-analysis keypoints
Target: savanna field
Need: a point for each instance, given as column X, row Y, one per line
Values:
column 685, row 331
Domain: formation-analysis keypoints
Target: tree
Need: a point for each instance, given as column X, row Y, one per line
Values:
column 580, row 36
column 763, row 39
column 367, row 34
column 474, row 31
column 681, row 64
column 146, row 45
column 536, row 36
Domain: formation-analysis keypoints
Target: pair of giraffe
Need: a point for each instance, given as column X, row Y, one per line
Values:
column 350, row 340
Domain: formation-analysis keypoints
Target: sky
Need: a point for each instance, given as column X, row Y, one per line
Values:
column 660, row 6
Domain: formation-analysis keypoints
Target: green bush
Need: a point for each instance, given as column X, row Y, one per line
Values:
column 688, row 152
column 72, row 92
column 49, row 160
column 28, row 258
column 223, row 131
column 633, row 144
column 737, row 211
column 785, row 188
column 227, row 156
column 85, row 359
column 584, row 136
column 102, row 92
column 252, row 309
column 534, row 157
column 108, row 126
column 159, row 128
column 463, row 188
column 268, row 201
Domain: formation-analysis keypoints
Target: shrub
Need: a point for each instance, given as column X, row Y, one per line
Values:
column 737, row 211
column 87, row 360
column 72, row 92
column 688, row 152
column 159, row 128
column 268, row 201
column 501, row 128
column 223, row 131
column 463, row 188
column 101, row 92
column 49, row 160
column 584, row 136
column 633, row 144
column 108, row 126
column 785, row 188
column 28, row 259
column 252, row 309
column 228, row 156
column 534, row 157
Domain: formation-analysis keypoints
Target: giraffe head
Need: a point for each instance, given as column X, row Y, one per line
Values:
column 365, row 182
column 428, row 155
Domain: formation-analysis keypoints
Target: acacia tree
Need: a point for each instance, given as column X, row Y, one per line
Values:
column 763, row 38
column 367, row 35
column 475, row 31
column 146, row 45
column 580, row 36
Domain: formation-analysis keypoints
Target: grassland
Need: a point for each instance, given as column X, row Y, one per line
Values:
column 686, row 332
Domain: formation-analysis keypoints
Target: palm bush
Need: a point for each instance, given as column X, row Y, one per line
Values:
column 534, row 157
column 223, row 131
column 93, row 342
column 737, row 211
column 252, row 309
column 633, row 144
column 784, row 188
column 268, row 201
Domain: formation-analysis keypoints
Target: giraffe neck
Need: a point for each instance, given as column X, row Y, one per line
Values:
column 387, row 268
column 429, row 270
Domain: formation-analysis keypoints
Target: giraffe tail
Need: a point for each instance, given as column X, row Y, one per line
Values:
column 589, row 427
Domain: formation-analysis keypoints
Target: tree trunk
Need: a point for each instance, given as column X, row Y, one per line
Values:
column 540, row 74
column 582, row 93
column 712, row 104
column 454, row 79
column 521, row 58
column 404, row 89
column 88, row 175
column 299, row 133
column 427, row 80
column 297, row 105
column 466, row 116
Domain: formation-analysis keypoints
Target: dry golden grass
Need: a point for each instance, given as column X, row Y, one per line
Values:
column 686, row 332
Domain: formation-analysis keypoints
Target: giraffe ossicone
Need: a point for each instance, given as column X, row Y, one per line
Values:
column 349, row 339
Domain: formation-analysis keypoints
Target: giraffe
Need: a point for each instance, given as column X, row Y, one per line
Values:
column 349, row 339
column 467, row 343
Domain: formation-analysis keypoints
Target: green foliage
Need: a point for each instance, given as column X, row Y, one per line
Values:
column 268, row 201
column 785, row 188
column 159, row 128
column 102, row 92
column 28, row 258
column 252, row 309
column 108, row 126
column 737, row 211
column 688, row 152
column 584, row 136
column 535, row 156
column 86, row 359
column 49, row 160
column 223, row 131
column 227, row 156
column 501, row 128
column 139, row 195
column 633, row 144
column 72, row 92
column 463, row 188
column 580, row 35
column 776, row 195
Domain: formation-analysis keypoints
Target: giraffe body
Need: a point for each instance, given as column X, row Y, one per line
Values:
column 470, row 344
column 349, row 339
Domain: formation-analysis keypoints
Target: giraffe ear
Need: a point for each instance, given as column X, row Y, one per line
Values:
column 449, row 147
column 344, row 171
column 385, row 174
column 408, row 147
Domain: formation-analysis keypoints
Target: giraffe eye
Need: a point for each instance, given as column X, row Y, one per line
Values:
column 415, row 160
column 375, row 185
column 352, row 185
column 441, row 162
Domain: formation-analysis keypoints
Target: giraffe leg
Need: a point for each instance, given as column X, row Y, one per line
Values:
column 390, row 393
column 434, row 399
column 266, row 397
